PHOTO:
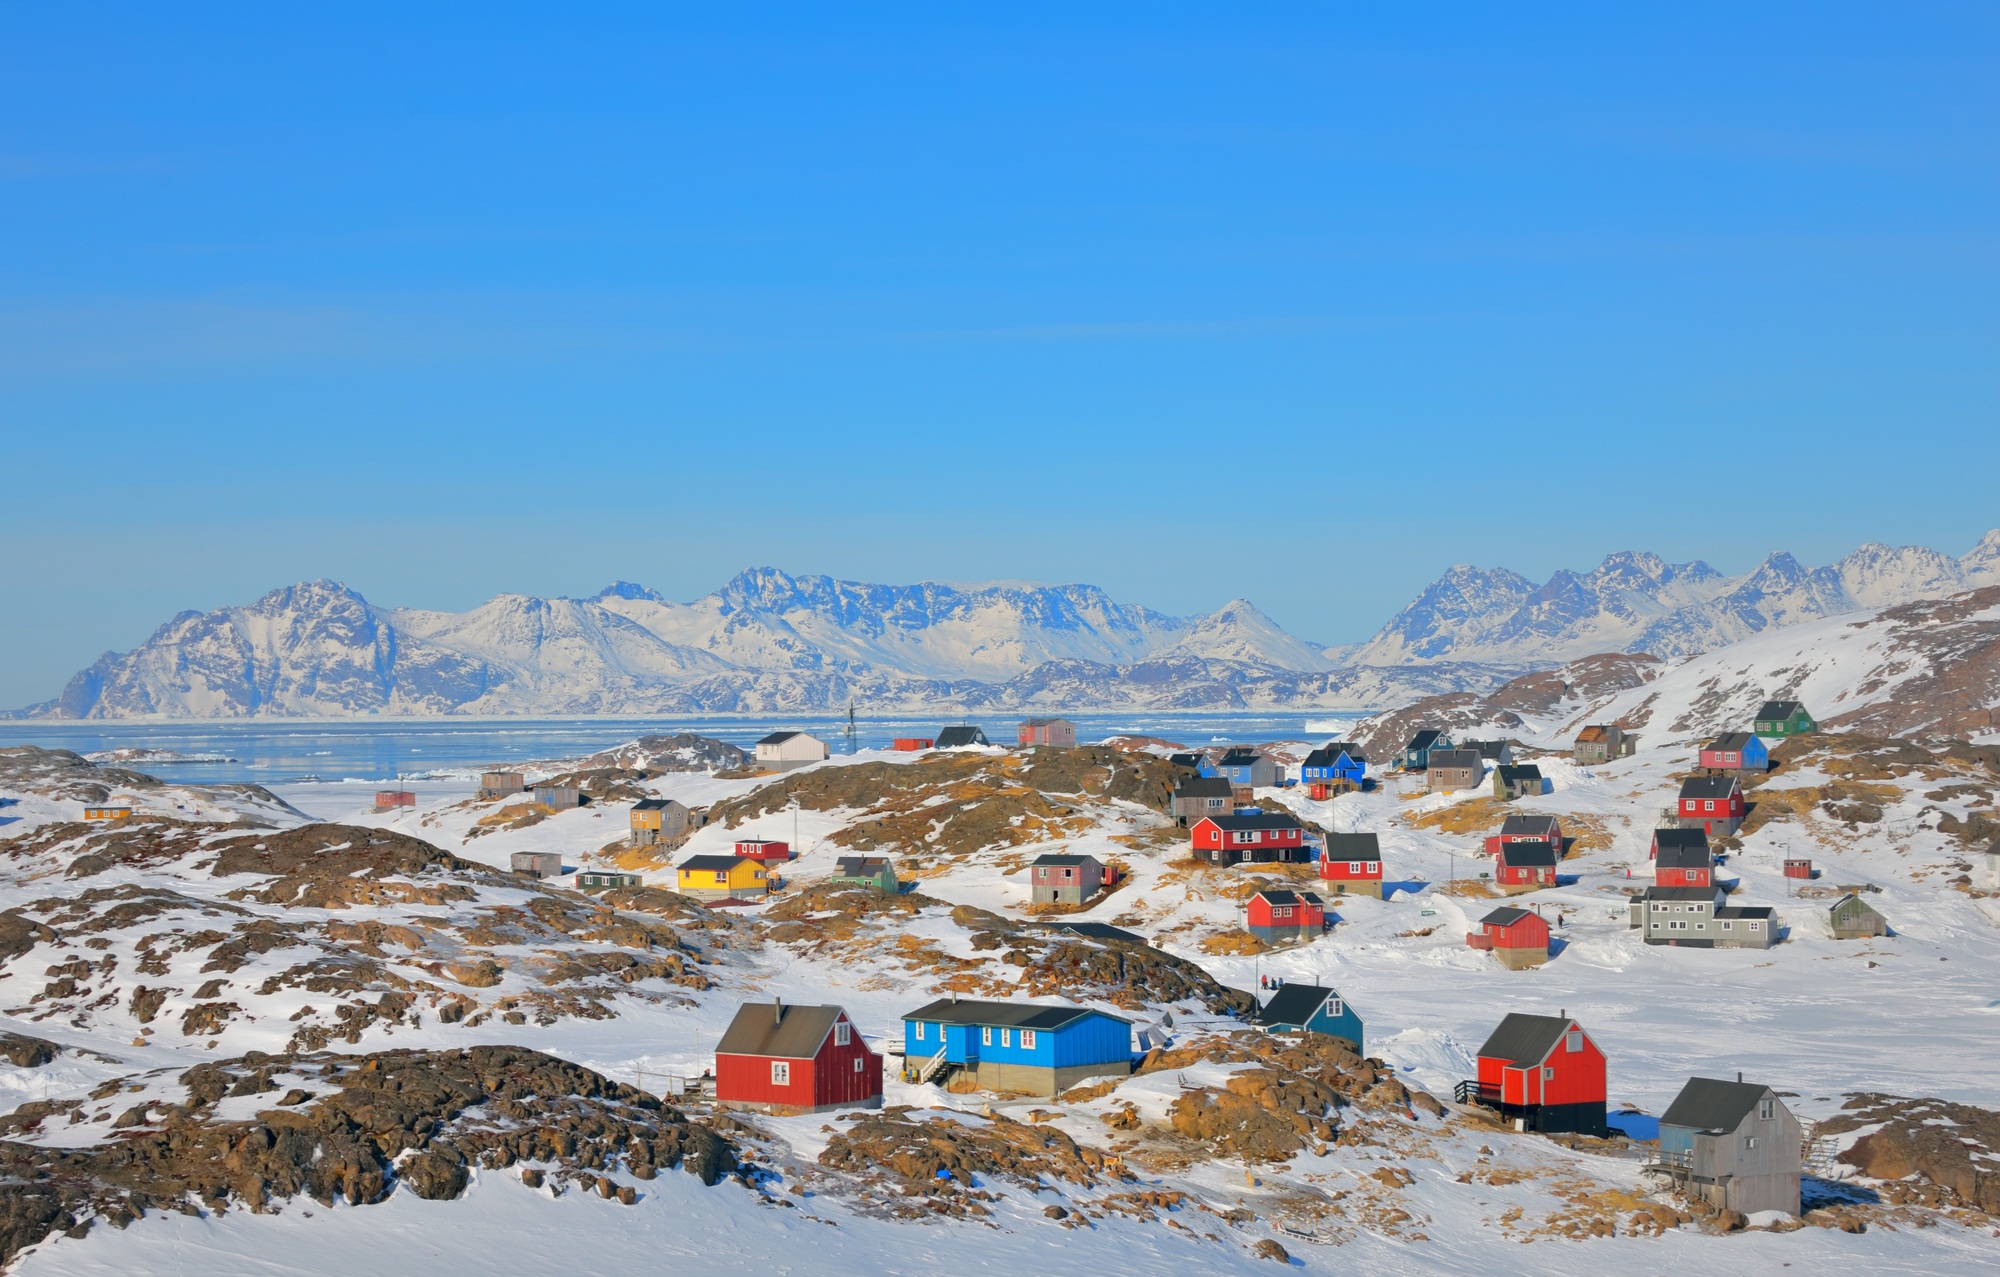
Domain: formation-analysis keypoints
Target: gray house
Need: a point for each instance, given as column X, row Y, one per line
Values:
column 1198, row 796
column 1602, row 742
column 1452, row 769
column 660, row 822
column 559, row 797
column 501, row 784
column 1733, row 1144
column 1495, row 752
column 1524, row 781
column 1677, row 915
column 1851, row 918
column 1065, row 880
column 1248, row 769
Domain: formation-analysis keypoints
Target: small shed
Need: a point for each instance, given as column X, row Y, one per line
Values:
column 559, row 797
column 1311, row 1008
column 1282, row 917
column 1519, row 938
column 1852, row 918
column 911, row 744
column 536, row 864
column 501, row 784
column 961, row 736
column 1056, row 732
column 1798, row 867
column 1352, row 864
column 1065, row 879
column 878, row 872
column 391, row 799
column 108, row 812
column 1732, row 1144
column 775, row 1058
column 662, row 822
column 1453, row 769
column 1518, row 781
column 602, row 879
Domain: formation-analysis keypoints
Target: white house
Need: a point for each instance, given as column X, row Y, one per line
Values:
column 781, row 751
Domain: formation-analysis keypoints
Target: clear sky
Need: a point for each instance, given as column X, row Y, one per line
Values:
column 1298, row 303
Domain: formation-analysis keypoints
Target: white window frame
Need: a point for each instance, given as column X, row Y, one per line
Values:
column 859, row 1064
column 781, row 1073
column 1006, row 1037
column 920, row 1030
column 843, row 1033
column 1027, row 1039
column 986, row 1035
column 1548, row 1074
column 1573, row 1040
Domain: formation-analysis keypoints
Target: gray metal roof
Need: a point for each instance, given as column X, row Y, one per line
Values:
column 1680, row 838
column 1424, row 739
column 1529, row 826
column 1277, row 896
column 1710, row 1104
column 1185, row 759
column 656, row 804
column 1487, row 748
column 1778, row 709
column 954, row 737
column 859, row 866
column 1094, row 931
column 1730, row 742
column 1013, row 1015
column 1746, row 911
column 1254, row 820
column 1684, row 855
column 1456, row 758
column 779, row 738
column 1329, row 754
column 1066, row 861
column 1239, row 756
column 1681, row 893
column 774, row 1029
column 1709, row 787
column 1527, row 855
column 1510, row 773
column 1203, row 787
column 712, row 862
column 1293, row 1005
column 1353, row 847
column 1525, row 1039
column 1505, row 916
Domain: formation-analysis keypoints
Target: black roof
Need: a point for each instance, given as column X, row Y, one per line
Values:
column 1505, row 916
column 1239, row 756
column 1256, row 820
column 1525, row 1039
column 1013, row 1015
column 779, row 738
column 652, row 804
column 1778, row 709
column 1353, row 847
column 1065, row 861
column 1185, row 760
column 713, row 862
column 1279, row 896
column 787, row 1032
column 1684, row 855
column 1525, row 855
column 859, row 866
column 1456, row 758
column 1094, row 931
column 1708, row 787
column 1681, row 838
column 953, row 737
column 1525, row 771
column 1731, row 742
column 1424, row 739
column 1746, row 911
column 1531, row 826
column 1710, row 1104
column 1203, row 787
column 1487, row 748
column 1294, row 1004
column 1328, row 754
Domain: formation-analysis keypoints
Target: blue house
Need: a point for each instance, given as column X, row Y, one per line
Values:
column 1334, row 765
column 1310, row 1008
column 1248, row 768
column 1014, row 1046
column 1417, row 754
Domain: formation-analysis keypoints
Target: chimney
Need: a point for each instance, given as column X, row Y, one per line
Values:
column 777, row 1010
column 1739, row 1077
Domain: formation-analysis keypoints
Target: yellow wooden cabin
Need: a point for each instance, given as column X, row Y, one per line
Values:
column 720, row 877
column 110, row 811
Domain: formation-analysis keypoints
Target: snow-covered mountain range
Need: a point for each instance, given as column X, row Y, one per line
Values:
column 771, row 642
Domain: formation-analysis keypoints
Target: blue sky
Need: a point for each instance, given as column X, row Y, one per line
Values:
column 1299, row 303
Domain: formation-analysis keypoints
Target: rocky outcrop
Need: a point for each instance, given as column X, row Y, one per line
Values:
column 1954, row 1147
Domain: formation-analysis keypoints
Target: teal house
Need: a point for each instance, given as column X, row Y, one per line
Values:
column 1311, row 1008
column 1784, row 718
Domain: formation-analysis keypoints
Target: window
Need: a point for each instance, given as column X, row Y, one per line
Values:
column 843, row 1033
column 781, row 1073
column 1756, row 926
column 1708, row 804
column 1548, row 1075
column 858, row 1063
column 1767, row 1109
column 1354, row 866
column 1728, row 926
column 1749, row 1141
column 722, row 875
column 1068, row 874
column 1573, row 1040
column 920, row 1030
column 1006, row 1037
column 1333, row 1006
column 1027, row 1039
column 986, row 1036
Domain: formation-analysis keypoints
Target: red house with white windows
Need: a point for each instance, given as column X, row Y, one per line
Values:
column 1516, row 937
column 1525, row 866
column 1352, row 864
column 1712, row 804
column 1284, row 917
column 1681, row 858
column 1259, row 837
column 1532, row 828
column 765, row 850
column 784, row 1059
column 1543, row 1073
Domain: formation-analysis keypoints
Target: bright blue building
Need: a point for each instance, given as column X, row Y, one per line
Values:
column 1309, row 1008
column 1335, row 763
column 1015, row 1046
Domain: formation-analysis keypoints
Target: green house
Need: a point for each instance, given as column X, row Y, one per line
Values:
column 1784, row 718
column 878, row 872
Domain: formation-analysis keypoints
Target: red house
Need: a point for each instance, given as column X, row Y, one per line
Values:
column 1681, row 858
column 1543, row 1073
column 1352, row 864
column 1516, row 937
column 764, row 849
column 780, row 1059
column 1256, row 836
column 1525, row 866
column 1712, row 804
column 911, row 744
column 390, row 799
column 1284, row 917
column 1533, row 828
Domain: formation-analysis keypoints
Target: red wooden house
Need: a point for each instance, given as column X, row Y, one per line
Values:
column 1255, row 836
column 1681, row 858
column 765, row 850
column 1352, row 864
column 1543, row 1073
column 1527, row 828
column 1525, row 866
column 1712, row 804
column 1516, row 937
column 1284, row 917
column 780, row 1059
column 911, row 744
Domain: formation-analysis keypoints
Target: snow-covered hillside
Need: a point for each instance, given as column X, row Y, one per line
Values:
column 1641, row 603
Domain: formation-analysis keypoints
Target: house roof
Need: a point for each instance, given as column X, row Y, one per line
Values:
column 1239, row 757
column 1680, row 838
column 715, row 862
column 1203, row 787
column 1353, row 847
column 1534, row 854
column 1510, row 774
column 653, row 804
column 1684, row 855
column 1595, row 732
column 1778, row 709
column 1066, row 861
column 1330, row 753
column 1487, row 748
column 779, row 738
column 1254, row 820
column 1044, row 722
column 1185, row 759
column 1279, row 896
column 775, row 1029
column 1094, row 931
column 1424, row 739
column 1709, row 787
column 1014, row 1015
column 1731, row 742
column 1294, row 1004
column 1746, row 911
column 1855, row 896
column 1680, row 893
column 1525, row 1039
column 1456, row 758
column 860, row 866
column 953, row 737
column 1536, row 825
column 1507, row 916
column 1710, row 1104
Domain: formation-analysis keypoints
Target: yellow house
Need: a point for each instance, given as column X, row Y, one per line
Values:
column 116, row 811
column 720, row 877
